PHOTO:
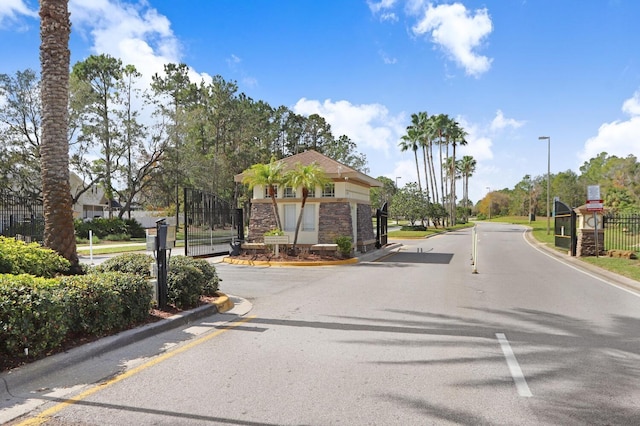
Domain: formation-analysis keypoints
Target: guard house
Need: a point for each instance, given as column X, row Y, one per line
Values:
column 341, row 208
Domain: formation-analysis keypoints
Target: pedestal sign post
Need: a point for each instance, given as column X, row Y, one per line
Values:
column 594, row 204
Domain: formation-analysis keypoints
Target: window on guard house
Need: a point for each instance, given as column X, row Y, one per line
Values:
column 266, row 191
column 329, row 190
column 289, row 192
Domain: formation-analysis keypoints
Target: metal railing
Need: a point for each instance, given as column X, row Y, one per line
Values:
column 621, row 232
column 21, row 217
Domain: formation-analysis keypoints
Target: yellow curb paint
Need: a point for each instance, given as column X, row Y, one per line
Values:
column 48, row 413
column 223, row 303
column 280, row 264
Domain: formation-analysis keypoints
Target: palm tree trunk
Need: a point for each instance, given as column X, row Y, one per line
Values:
column 298, row 223
column 453, row 184
column 426, row 172
column 432, row 175
column 415, row 154
column 55, row 28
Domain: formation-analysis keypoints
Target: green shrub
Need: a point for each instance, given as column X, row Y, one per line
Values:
column 32, row 315
column 94, row 240
column 118, row 237
column 134, row 228
column 185, row 282
column 101, row 227
column 18, row 257
column 94, row 304
column 133, row 263
column 136, row 296
column 344, row 245
column 413, row 228
column 211, row 280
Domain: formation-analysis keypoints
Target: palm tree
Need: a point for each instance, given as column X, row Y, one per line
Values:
column 441, row 127
column 419, row 122
column 410, row 141
column 269, row 175
column 55, row 29
column 457, row 138
column 305, row 177
column 430, row 134
column 467, row 166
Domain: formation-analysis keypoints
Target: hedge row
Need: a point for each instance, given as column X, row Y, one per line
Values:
column 101, row 227
column 18, row 257
column 187, row 278
column 37, row 314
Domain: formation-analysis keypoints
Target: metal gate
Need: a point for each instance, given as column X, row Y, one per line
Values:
column 382, row 216
column 565, row 227
column 21, row 217
column 209, row 224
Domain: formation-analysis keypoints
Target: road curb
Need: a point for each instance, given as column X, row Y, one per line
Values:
column 600, row 273
column 20, row 376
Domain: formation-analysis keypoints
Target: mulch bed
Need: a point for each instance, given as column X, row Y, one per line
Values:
column 284, row 257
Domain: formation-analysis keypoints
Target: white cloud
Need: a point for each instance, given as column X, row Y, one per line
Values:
column 459, row 33
column 387, row 59
column 135, row 33
column 377, row 7
column 370, row 126
column 478, row 143
column 500, row 122
column 11, row 10
column 619, row 138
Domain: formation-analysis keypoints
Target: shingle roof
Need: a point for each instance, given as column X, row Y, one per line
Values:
column 332, row 168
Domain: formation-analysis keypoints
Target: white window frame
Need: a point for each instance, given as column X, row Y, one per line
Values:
column 290, row 217
column 329, row 190
column 309, row 217
column 289, row 192
column 266, row 191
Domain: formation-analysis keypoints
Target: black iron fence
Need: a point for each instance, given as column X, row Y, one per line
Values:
column 209, row 224
column 21, row 217
column 621, row 232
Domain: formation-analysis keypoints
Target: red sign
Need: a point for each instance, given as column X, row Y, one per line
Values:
column 594, row 206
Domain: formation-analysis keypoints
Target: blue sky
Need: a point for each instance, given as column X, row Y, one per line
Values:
column 508, row 70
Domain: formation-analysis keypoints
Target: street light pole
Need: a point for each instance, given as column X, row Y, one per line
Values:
column 548, row 138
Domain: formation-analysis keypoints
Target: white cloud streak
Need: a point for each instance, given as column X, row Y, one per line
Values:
column 620, row 137
column 370, row 126
column 12, row 10
column 459, row 33
column 500, row 122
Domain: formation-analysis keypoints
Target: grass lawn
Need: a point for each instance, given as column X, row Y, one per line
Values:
column 629, row 268
column 422, row 234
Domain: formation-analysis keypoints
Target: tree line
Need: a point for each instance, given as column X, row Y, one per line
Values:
column 141, row 145
column 618, row 177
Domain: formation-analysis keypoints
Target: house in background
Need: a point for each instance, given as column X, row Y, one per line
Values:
column 92, row 203
column 341, row 208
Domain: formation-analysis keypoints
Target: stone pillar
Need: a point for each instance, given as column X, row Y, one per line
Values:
column 262, row 220
column 586, row 244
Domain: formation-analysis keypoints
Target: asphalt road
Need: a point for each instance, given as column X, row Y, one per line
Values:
column 414, row 338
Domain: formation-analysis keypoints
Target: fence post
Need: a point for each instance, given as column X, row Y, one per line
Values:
column 474, row 250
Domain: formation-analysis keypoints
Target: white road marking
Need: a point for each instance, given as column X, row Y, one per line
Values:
column 514, row 367
column 524, row 236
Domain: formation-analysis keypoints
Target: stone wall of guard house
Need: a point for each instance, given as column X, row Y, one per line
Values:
column 334, row 220
column 586, row 244
column 262, row 220
column 366, row 235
